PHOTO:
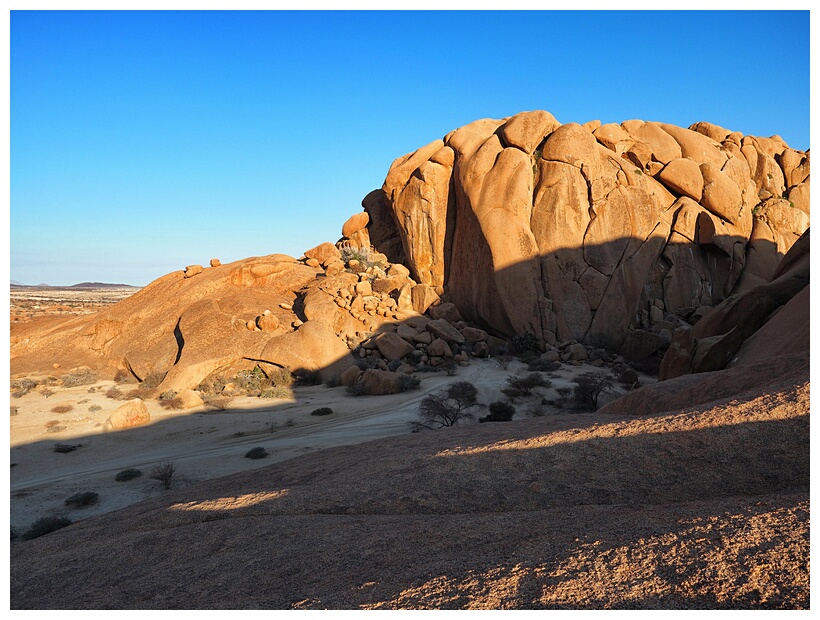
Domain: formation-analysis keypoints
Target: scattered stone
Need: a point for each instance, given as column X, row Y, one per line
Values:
column 215, row 262
column 192, row 270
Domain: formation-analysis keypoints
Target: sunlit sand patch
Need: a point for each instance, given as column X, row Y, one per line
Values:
column 231, row 503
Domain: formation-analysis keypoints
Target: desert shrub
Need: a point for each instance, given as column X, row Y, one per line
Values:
column 114, row 392
column 45, row 525
column 84, row 376
column 21, row 387
column 539, row 365
column 53, row 426
column 164, row 472
column 82, row 499
column 256, row 453
column 447, row 407
column 536, row 411
column 168, row 395
column 512, row 393
column 123, row 376
column 356, row 389
column 322, row 411
column 527, row 383
column 250, row 380
column 363, row 255
column 564, row 393
column 45, row 391
column 333, row 382
column 280, row 377
column 408, row 382
column 500, row 411
column 589, row 387
column 504, row 360
column 276, row 392
column 220, row 403
column 64, row 448
column 367, row 363
column 171, row 403
column 62, row 408
column 92, row 389
column 426, row 368
column 213, row 385
column 308, row 377
column 524, row 342
column 128, row 474
column 94, row 408
column 394, row 365
column 449, row 365
column 152, row 380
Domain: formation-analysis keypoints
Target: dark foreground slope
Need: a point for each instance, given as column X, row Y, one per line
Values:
column 700, row 508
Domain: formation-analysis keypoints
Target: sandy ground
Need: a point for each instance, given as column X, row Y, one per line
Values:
column 205, row 443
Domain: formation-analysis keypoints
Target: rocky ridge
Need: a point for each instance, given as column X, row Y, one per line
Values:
column 613, row 235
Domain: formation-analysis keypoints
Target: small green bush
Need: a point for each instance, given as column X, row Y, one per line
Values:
column 256, row 453
column 322, row 411
column 46, row 525
column 128, row 474
column 82, row 499
column 94, row 408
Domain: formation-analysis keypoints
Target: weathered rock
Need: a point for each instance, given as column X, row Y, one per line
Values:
column 473, row 334
column 392, row 346
column 267, row 322
column 640, row 344
column 349, row 376
column 422, row 297
column 683, row 176
column 325, row 253
column 480, row 349
column 130, row 414
column 355, row 223
column 215, row 262
column 558, row 234
column 188, row 399
column 575, row 353
column 407, row 332
column 439, row 348
column 380, row 382
column 446, row 311
column 442, row 329
column 192, row 270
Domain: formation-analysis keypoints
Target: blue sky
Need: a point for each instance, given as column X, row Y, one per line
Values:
column 141, row 142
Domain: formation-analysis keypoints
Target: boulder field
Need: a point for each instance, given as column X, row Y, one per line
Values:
column 610, row 235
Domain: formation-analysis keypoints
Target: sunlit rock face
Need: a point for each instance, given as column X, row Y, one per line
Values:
column 590, row 232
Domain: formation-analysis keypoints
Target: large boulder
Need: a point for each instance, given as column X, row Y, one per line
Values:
column 130, row 414
column 566, row 231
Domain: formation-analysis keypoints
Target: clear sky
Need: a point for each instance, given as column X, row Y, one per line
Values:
column 142, row 142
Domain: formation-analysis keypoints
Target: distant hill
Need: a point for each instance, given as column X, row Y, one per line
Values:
column 101, row 285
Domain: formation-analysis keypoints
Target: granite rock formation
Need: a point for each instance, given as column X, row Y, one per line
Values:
column 577, row 232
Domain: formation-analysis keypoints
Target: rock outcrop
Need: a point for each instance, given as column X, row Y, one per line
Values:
column 577, row 232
